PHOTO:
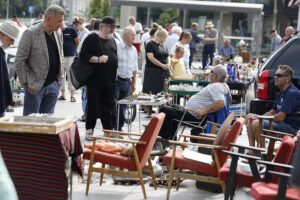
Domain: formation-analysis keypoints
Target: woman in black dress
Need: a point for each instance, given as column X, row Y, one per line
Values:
column 157, row 67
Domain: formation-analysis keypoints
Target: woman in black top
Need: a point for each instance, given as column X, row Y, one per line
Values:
column 157, row 67
column 100, row 50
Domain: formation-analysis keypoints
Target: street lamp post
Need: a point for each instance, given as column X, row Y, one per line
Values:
column 7, row 9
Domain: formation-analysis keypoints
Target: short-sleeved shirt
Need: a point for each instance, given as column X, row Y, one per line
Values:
column 159, row 52
column 127, row 60
column 227, row 51
column 212, row 34
column 69, row 35
column 208, row 95
column 288, row 101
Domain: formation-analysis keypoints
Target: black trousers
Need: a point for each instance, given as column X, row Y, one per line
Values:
column 169, row 126
column 208, row 50
column 100, row 102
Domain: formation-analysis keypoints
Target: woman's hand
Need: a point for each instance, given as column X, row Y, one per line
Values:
column 165, row 66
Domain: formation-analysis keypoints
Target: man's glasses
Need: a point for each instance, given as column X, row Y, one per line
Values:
column 280, row 75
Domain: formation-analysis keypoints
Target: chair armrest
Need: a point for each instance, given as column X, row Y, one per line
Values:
column 265, row 117
column 119, row 140
column 191, row 124
column 213, row 123
column 197, row 137
column 210, row 135
column 209, row 146
column 277, row 132
column 274, row 164
column 280, row 174
column 271, row 137
column 248, row 147
column 121, row 132
column 241, row 155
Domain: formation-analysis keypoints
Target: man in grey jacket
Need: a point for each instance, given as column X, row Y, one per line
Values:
column 39, row 61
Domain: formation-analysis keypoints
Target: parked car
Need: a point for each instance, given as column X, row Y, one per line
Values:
column 265, row 89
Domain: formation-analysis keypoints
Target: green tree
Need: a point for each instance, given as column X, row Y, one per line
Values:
column 99, row 8
column 168, row 16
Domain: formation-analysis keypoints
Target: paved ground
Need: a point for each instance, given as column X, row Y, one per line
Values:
column 109, row 190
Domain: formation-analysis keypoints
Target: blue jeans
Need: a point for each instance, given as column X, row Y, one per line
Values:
column 43, row 102
column 282, row 126
column 83, row 99
column 123, row 89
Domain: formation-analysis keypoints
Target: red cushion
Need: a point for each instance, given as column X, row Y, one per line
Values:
column 184, row 163
column 268, row 191
column 111, row 159
column 241, row 179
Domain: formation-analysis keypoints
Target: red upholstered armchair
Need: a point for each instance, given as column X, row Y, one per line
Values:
column 235, row 178
column 204, row 172
column 135, row 163
column 275, row 191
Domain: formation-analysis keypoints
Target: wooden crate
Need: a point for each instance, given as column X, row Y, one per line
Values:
column 31, row 124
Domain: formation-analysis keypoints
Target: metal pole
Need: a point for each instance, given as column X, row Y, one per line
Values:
column 275, row 11
column 298, row 25
column 7, row 8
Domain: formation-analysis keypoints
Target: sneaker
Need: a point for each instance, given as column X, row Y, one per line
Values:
column 89, row 134
column 61, row 98
column 82, row 118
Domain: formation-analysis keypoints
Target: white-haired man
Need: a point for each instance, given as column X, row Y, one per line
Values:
column 173, row 37
column 127, row 68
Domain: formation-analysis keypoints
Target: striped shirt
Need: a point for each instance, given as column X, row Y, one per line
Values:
column 127, row 60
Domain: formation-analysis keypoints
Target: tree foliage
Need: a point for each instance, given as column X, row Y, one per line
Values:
column 168, row 16
column 99, row 8
column 20, row 7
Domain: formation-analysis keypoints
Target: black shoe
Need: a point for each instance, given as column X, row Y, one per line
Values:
column 61, row 98
column 73, row 99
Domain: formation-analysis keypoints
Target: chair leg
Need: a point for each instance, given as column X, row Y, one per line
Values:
column 152, row 173
column 171, row 172
column 90, row 172
column 139, row 171
column 101, row 175
column 178, row 181
column 232, row 192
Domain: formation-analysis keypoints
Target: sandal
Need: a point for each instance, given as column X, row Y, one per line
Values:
column 73, row 99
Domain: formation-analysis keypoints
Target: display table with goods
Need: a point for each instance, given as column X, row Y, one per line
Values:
column 40, row 153
column 142, row 100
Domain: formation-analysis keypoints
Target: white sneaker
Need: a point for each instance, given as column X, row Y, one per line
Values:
column 89, row 134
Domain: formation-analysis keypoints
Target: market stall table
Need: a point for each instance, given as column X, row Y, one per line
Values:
column 147, row 100
column 38, row 161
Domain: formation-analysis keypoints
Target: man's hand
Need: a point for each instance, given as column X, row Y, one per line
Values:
column 103, row 59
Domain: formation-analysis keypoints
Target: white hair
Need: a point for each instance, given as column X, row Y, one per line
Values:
column 176, row 29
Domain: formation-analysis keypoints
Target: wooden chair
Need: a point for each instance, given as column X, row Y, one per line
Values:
column 235, row 178
column 204, row 172
column 135, row 163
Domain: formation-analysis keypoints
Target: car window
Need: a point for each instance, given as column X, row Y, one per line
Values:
column 290, row 57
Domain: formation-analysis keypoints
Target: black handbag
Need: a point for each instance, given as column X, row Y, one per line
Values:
column 80, row 72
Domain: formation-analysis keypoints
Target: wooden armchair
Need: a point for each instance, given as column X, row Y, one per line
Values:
column 236, row 178
column 198, row 170
column 135, row 163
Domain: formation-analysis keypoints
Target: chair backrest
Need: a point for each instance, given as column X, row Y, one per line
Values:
column 284, row 153
column 219, row 116
column 224, row 129
column 149, row 136
column 231, row 137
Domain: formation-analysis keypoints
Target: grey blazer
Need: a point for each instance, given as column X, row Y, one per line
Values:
column 32, row 59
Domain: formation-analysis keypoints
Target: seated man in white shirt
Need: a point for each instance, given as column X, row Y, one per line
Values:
column 210, row 99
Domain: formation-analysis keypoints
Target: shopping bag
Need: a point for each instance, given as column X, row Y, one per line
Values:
column 80, row 72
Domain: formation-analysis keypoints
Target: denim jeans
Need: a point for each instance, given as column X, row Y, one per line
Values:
column 282, row 126
column 123, row 89
column 43, row 102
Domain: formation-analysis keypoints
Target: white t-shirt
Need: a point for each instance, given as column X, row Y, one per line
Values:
column 208, row 95
column 138, row 27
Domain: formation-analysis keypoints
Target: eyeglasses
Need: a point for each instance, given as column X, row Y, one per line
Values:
column 280, row 75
